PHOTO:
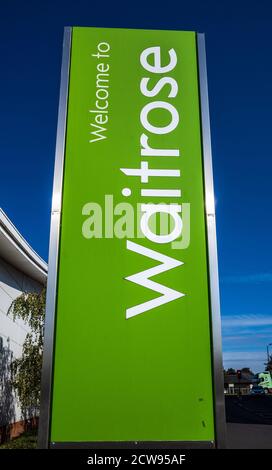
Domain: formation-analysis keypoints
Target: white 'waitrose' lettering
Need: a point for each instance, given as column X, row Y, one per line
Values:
column 151, row 61
column 142, row 279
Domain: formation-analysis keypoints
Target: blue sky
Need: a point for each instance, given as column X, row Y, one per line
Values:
column 238, row 41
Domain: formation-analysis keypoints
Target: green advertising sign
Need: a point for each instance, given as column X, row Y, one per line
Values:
column 129, row 292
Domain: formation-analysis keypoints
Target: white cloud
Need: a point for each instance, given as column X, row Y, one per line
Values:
column 244, row 355
column 245, row 338
column 246, row 320
column 239, row 359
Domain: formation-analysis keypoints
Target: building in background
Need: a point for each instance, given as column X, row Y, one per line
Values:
column 21, row 270
column 239, row 382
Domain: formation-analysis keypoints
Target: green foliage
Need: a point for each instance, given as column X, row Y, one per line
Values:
column 26, row 370
column 28, row 440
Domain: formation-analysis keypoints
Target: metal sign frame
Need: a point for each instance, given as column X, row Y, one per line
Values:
column 215, row 320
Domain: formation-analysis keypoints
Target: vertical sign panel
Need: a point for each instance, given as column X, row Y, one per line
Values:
column 133, row 343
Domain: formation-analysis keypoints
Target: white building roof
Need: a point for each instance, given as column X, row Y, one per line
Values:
column 15, row 250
